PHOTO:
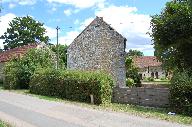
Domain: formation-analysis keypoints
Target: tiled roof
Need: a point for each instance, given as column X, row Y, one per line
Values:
column 145, row 61
column 16, row 52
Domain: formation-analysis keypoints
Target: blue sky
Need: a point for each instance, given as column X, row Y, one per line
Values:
column 131, row 18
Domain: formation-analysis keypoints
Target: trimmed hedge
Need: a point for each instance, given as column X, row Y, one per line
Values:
column 73, row 85
column 181, row 93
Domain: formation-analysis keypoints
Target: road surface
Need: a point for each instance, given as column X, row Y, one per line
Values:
column 27, row 111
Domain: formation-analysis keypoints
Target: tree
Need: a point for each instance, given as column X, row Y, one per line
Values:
column 135, row 53
column 171, row 33
column 62, row 54
column 24, row 30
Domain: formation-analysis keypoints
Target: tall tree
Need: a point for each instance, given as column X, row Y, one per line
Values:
column 24, row 30
column 171, row 33
column 135, row 53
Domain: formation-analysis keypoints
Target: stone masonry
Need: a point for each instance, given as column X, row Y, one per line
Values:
column 154, row 97
column 99, row 47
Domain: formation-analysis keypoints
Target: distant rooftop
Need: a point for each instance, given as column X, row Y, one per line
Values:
column 6, row 56
column 145, row 61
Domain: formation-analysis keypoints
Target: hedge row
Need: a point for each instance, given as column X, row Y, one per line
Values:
column 18, row 71
column 73, row 85
column 181, row 93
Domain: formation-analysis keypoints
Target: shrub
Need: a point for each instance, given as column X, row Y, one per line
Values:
column 132, row 71
column 151, row 79
column 181, row 93
column 129, row 82
column 18, row 71
column 73, row 85
column 163, row 78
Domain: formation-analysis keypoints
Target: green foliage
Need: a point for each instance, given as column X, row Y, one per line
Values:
column 151, row 79
column 129, row 82
column 132, row 71
column 135, row 53
column 171, row 33
column 163, row 78
column 23, row 30
column 18, row 71
column 73, row 85
column 62, row 54
column 181, row 92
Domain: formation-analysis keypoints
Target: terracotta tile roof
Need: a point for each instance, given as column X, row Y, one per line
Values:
column 16, row 52
column 145, row 61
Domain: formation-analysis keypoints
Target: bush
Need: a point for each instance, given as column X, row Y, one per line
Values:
column 151, row 79
column 163, row 78
column 73, row 85
column 129, row 82
column 18, row 71
column 132, row 71
column 181, row 93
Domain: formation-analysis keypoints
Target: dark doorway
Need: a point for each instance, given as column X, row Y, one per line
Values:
column 156, row 75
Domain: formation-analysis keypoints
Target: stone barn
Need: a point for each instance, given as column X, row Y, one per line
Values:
column 149, row 66
column 99, row 47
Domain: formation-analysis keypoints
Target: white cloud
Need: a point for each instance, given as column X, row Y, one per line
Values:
column 76, row 22
column 85, row 23
column 27, row 2
column 68, row 12
column 12, row 5
column 80, row 3
column 50, row 32
column 68, row 38
column 21, row 2
column 5, row 19
column 53, row 9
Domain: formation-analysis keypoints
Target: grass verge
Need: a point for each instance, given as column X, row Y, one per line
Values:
column 147, row 112
column 3, row 124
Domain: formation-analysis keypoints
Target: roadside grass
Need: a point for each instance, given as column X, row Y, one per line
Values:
column 147, row 112
column 166, row 84
column 3, row 124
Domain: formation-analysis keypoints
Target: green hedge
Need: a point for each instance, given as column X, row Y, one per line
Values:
column 73, row 85
column 181, row 93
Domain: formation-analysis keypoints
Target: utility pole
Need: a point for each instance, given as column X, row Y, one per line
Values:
column 57, row 65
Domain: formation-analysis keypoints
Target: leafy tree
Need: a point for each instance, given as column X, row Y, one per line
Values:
column 171, row 33
column 135, row 53
column 62, row 54
column 23, row 30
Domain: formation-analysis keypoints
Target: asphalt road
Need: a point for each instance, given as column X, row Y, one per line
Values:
column 26, row 111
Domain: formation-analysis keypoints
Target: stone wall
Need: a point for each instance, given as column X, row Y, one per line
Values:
column 99, row 47
column 154, row 97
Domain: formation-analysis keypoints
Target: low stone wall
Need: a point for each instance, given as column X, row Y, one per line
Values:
column 153, row 97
